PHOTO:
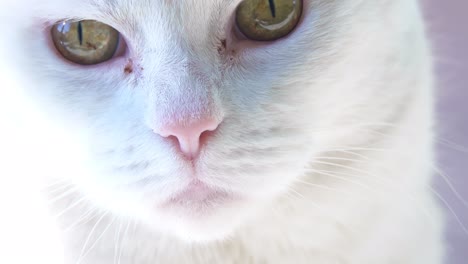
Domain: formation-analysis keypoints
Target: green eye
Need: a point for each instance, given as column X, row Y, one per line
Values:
column 85, row 42
column 267, row 20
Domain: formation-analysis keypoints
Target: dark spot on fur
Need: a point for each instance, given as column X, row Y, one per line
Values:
column 129, row 67
column 222, row 47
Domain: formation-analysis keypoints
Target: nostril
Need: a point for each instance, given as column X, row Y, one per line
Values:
column 189, row 138
column 211, row 126
column 172, row 139
column 205, row 136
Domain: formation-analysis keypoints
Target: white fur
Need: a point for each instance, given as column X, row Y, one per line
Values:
column 325, row 144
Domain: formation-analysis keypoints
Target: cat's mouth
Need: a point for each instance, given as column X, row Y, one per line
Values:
column 199, row 212
column 198, row 198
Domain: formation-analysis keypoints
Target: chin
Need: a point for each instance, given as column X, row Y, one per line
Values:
column 200, row 214
column 193, row 208
column 202, row 230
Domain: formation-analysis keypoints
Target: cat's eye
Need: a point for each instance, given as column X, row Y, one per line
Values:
column 85, row 42
column 268, row 20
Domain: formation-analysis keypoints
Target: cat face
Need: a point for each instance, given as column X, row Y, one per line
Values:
column 194, row 128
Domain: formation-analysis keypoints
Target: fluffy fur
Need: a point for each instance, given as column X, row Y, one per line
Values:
column 324, row 150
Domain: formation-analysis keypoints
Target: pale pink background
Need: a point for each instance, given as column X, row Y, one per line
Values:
column 448, row 27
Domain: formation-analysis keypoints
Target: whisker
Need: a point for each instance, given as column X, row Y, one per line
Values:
column 381, row 180
column 88, row 215
column 76, row 203
column 122, row 241
column 452, row 211
column 322, row 211
column 117, row 242
column 97, row 240
column 452, row 145
column 91, row 232
column 354, row 154
column 343, row 167
column 358, row 148
column 65, row 194
column 53, row 183
column 340, row 159
column 452, row 188
column 58, row 187
column 324, row 187
column 342, row 178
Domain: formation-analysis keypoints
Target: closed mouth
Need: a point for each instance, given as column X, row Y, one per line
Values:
column 198, row 196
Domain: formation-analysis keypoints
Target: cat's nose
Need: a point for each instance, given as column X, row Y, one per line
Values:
column 190, row 137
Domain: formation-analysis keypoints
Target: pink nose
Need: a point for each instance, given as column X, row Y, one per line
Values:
column 189, row 137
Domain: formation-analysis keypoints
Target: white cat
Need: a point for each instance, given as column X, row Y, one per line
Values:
column 227, row 131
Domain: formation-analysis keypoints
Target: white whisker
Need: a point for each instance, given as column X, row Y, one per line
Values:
column 65, row 194
column 85, row 216
column 117, row 242
column 91, row 232
column 76, row 203
column 97, row 240
column 451, row 187
column 324, row 187
column 452, row 211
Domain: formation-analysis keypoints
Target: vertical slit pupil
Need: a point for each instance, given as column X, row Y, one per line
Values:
column 80, row 33
column 272, row 7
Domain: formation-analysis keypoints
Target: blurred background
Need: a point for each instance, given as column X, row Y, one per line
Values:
column 448, row 28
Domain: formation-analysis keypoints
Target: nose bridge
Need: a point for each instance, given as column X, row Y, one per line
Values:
column 191, row 96
column 181, row 93
column 188, row 109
